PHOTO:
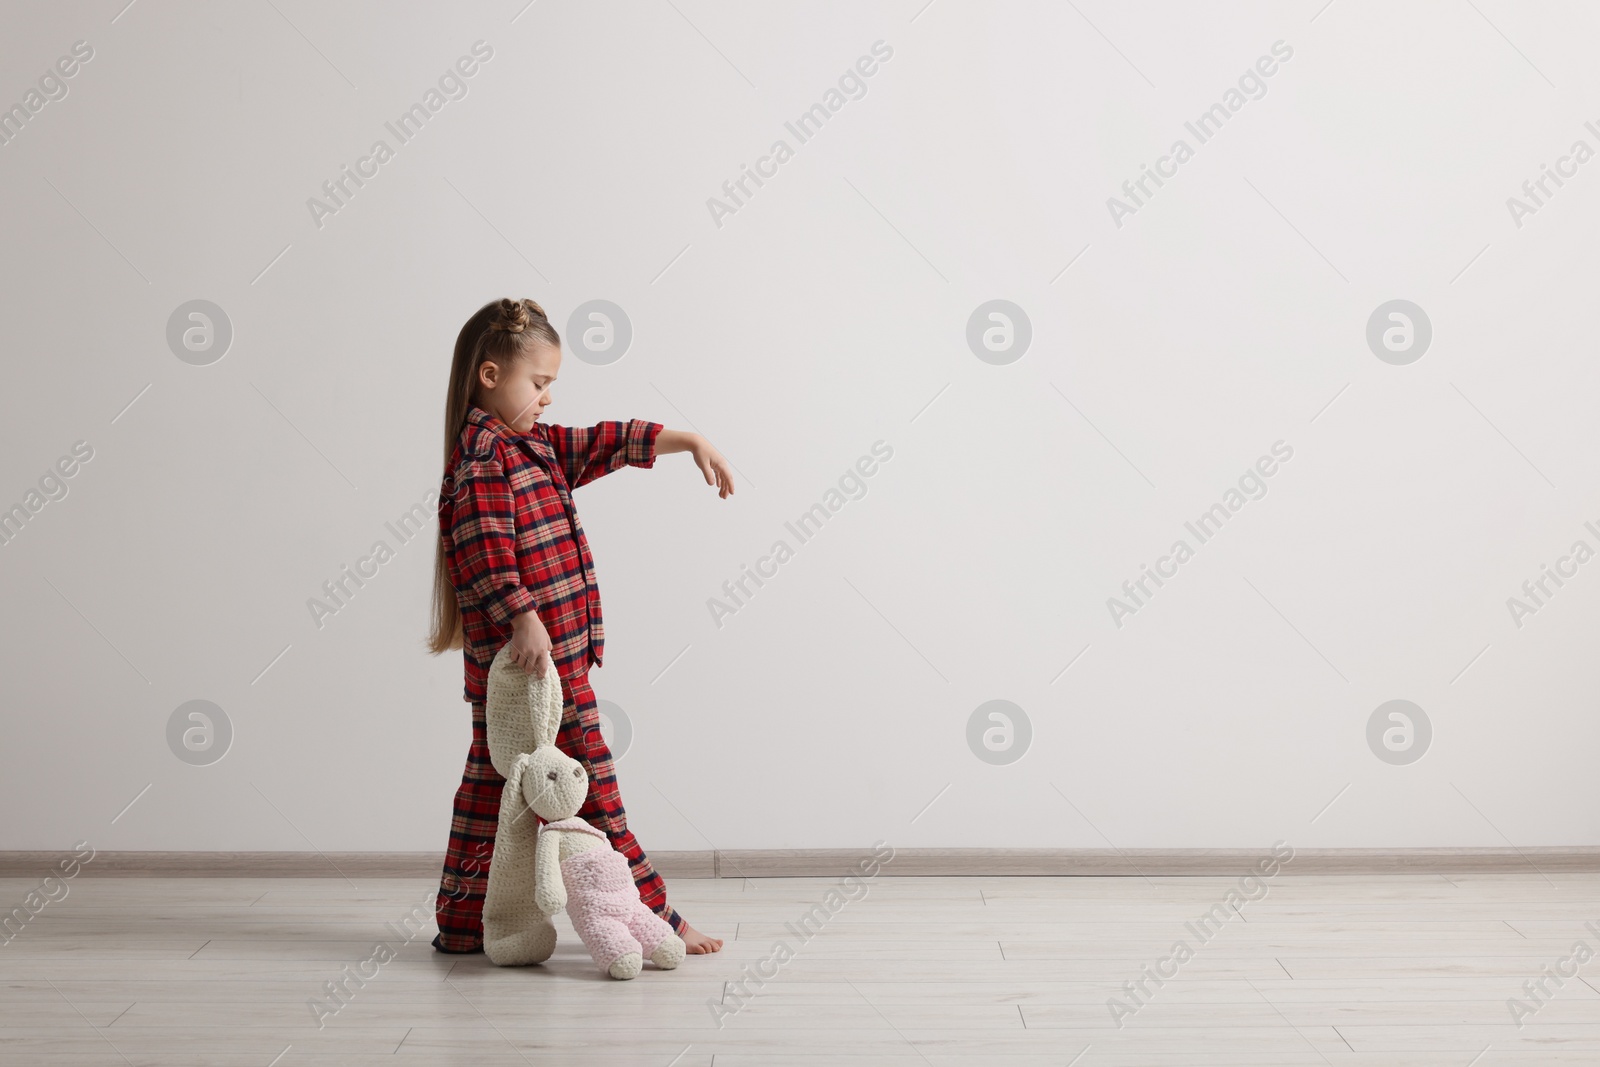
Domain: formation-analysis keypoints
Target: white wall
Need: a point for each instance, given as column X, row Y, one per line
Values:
column 825, row 315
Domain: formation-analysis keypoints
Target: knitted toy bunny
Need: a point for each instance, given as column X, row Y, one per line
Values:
column 568, row 864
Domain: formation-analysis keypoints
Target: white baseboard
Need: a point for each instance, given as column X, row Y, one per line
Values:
column 831, row 862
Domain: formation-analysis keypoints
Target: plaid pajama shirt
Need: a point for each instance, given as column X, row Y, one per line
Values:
column 514, row 543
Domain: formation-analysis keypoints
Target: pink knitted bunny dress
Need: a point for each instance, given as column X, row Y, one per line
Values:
column 603, row 903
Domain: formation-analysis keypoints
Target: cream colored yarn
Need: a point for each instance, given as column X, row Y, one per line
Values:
column 569, row 865
column 519, row 710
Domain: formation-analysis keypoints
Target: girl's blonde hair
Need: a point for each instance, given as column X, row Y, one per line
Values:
column 499, row 332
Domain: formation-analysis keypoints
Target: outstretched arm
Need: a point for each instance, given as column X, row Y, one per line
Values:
column 708, row 459
column 589, row 452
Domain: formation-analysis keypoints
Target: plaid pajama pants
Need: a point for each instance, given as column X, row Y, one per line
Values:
column 459, row 906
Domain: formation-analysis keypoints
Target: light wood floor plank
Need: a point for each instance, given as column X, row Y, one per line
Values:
column 1404, row 970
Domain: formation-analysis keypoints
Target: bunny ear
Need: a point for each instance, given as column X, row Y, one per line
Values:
column 513, row 712
column 546, row 701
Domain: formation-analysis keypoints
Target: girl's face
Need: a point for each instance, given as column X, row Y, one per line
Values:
column 518, row 393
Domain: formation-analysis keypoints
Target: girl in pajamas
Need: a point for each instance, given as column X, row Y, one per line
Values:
column 513, row 565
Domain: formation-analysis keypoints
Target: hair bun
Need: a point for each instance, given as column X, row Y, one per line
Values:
column 515, row 316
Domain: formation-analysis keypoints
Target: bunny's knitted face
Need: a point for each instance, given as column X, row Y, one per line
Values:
column 554, row 784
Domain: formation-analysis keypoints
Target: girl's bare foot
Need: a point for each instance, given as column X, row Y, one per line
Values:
column 697, row 943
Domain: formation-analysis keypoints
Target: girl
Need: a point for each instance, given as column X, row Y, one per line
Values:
column 513, row 565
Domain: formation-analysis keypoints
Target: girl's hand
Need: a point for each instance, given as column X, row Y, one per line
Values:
column 708, row 459
column 713, row 466
column 530, row 644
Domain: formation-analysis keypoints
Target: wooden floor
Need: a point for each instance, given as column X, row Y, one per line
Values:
column 1361, row 970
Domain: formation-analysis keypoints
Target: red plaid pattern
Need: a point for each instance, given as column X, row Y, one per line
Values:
column 459, row 906
column 514, row 543
column 514, row 540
